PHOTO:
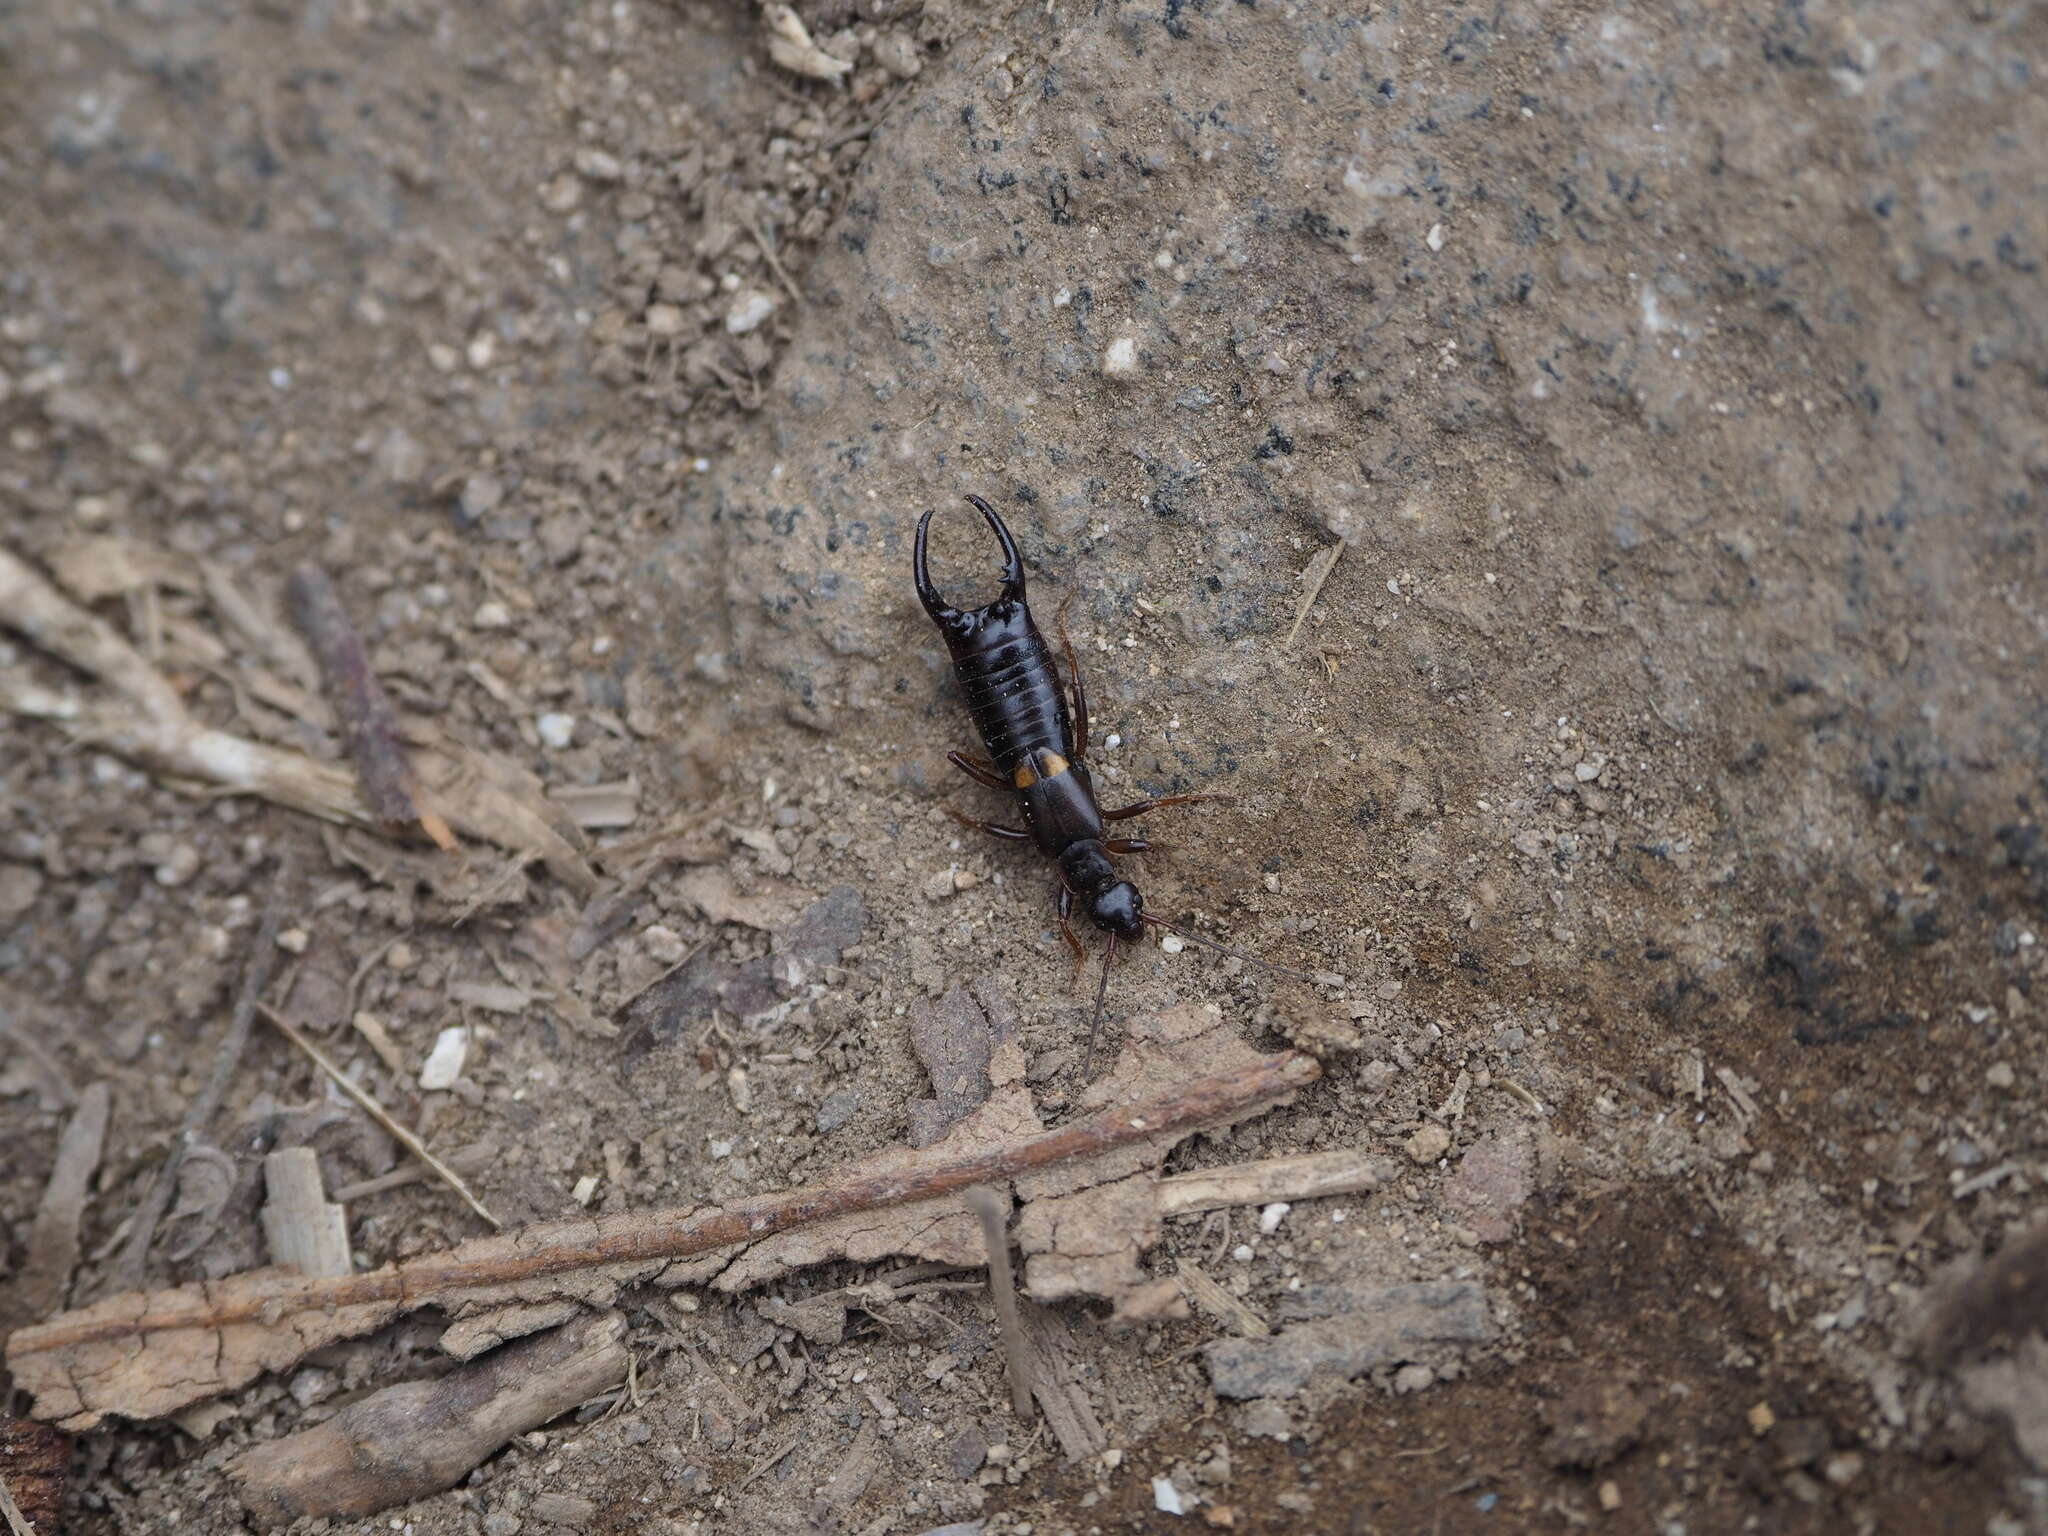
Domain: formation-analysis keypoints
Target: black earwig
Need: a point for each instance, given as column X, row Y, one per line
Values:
column 1038, row 752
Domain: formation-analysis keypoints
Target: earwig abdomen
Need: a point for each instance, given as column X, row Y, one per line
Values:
column 1014, row 695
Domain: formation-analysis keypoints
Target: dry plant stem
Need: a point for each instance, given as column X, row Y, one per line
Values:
column 17, row 1522
column 382, row 767
column 126, row 1271
column 269, row 1318
column 53, row 1241
column 993, row 1211
column 148, row 724
column 379, row 1113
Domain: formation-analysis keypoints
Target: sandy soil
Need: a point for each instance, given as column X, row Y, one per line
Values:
column 1654, row 786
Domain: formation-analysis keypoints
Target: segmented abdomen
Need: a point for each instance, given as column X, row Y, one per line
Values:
column 1014, row 694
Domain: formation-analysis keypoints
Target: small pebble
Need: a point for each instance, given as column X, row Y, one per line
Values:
column 556, row 731
column 1435, row 238
column 180, row 865
column 1172, row 943
column 663, row 944
column 293, row 941
column 596, row 165
column 1121, row 360
column 1999, row 1074
column 445, row 1062
column 1166, row 1498
column 939, row 887
column 1242, row 1253
column 491, row 615
column 1610, row 1496
column 666, row 320
column 1429, row 1144
column 562, row 195
column 585, row 1190
column 748, row 310
column 1270, row 1217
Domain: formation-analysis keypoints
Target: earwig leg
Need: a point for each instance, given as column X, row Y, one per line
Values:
column 1128, row 845
column 1080, row 693
column 1015, row 834
column 1013, row 563
column 978, row 769
column 1153, row 805
column 1067, row 929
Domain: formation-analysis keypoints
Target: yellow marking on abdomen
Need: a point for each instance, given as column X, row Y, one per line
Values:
column 1024, row 778
column 1055, row 765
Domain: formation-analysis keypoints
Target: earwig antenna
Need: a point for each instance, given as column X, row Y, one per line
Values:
column 1095, row 1024
column 1224, row 949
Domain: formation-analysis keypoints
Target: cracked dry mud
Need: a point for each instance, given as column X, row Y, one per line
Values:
column 1654, row 787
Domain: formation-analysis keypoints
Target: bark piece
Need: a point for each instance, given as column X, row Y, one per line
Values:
column 415, row 1439
column 1376, row 1326
column 305, row 1230
column 1055, row 1380
column 35, row 1463
column 954, row 1038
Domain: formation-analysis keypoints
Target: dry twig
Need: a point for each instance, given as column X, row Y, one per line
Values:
column 993, row 1211
column 205, row 1340
column 382, row 767
column 126, row 1271
column 379, row 1113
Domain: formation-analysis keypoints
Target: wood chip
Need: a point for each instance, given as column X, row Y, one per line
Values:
column 415, row 1439
column 1209, row 1295
column 1306, row 1177
column 595, row 807
column 302, row 1226
column 45, row 1276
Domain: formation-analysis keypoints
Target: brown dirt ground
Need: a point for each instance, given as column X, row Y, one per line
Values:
column 1674, row 379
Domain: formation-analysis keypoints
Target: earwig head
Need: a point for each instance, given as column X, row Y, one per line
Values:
column 1118, row 908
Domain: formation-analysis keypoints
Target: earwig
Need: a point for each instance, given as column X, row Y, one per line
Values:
column 1038, row 752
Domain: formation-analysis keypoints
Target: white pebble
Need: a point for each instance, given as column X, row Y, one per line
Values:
column 1121, row 358
column 492, row 615
column 1166, row 1498
column 585, row 1190
column 749, row 310
column 1269, row 1218
column 596, row 165
column 1173, row 943
column 447, row 1059
column 556, row 731
column 181, row 865
column 293, row 941
column 1435, row 238
column 1111, row 742
column 1242, row 1253
column 720, row 1150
